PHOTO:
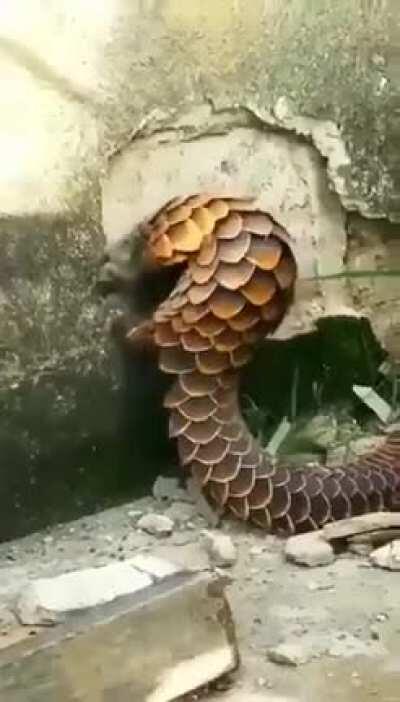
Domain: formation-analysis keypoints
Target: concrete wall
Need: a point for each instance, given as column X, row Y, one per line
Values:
column 101, row 105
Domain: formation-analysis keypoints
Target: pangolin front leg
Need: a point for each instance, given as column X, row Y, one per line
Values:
column 236, row 288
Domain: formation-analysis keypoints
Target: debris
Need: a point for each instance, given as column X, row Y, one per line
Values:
column 375, row 538
column 375, row 402
column 220, row 548
column 359, row 525
column 46, row 601
column 180, row 512
column 349, row 646
column 388, row 556
column 156, row 524
column 309, row 550
column 168, row 489
column 289, row 654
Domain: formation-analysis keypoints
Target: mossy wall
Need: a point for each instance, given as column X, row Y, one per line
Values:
column 81, row 85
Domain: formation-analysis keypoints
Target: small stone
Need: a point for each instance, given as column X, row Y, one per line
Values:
column 257, row 550
column 288, row 654
column 156, row 524
column 381, row 617
column 375, row 633
column 135, row 514
column 220, row 548
column 387, row 557
column 48, row 539
column 46, row 601
column 181, row 512
column 309, row 550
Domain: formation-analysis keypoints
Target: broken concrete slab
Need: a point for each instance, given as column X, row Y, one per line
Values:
column 387, row 557
column 128, row 649
column 47, row 600
column 375, row 521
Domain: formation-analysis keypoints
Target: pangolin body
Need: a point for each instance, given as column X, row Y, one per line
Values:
column 235, row 289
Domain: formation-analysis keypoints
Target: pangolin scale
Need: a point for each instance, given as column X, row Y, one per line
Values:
column 236, row 286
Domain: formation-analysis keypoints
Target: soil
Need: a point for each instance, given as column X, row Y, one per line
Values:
column 339, row 624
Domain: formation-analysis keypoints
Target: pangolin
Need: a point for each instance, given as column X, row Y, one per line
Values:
column 237, row 283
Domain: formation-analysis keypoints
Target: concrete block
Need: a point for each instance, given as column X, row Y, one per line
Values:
column 157, row 568
column 48, row 600
column 151, row 646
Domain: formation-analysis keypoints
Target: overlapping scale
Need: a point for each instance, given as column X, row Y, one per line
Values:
column 200, row 472
column 212, row 362
column 198, row 409
column 186, row 236
column 203, row 432
column 285, row 272
column 258, row 223
column 204, row 221
column 186, row 450
column 162, row 247
column 219, row 493
column 213, row 452
column 227, row 469
column 177, row 424
column 230, row 227
column 210, row 325
column 165, row 335
column 264, row 253
column 225, row 304
column 200, row 293
column 245, row 204
column 260, row 289
column 202, row 274
column 234, row 250
column 238, row 284
column 196, row 384
column 193, row 313
column 234, row 275
column 178, row 214
column 227, row 340
column 193, row 341
column 244, row 320
column 218, row 208
column 207, row 252
column 176, row 360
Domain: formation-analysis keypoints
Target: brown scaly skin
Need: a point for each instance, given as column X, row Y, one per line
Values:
column 236, row 288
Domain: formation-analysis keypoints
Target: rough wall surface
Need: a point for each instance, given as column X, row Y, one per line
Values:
column 88, row 86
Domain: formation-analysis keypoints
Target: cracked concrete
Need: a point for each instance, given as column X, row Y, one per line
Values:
column 314, row 90
column 346, row 647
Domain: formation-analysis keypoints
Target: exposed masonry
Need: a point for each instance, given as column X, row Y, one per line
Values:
column 217, row 118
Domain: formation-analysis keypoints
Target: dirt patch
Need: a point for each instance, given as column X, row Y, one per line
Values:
column 342, row 620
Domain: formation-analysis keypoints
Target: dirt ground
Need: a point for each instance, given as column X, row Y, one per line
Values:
column 340, row 623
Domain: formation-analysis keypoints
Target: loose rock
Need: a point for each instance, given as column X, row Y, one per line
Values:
column 288, row 654
column 220, row 548
column 309, row 550
column 180, row 512
column 46, row 601
column 387, row 557
column 156, row 524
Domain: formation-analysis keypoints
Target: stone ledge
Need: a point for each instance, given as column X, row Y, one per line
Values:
column 154, row 645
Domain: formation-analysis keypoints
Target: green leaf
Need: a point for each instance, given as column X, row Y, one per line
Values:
column 374, row 401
